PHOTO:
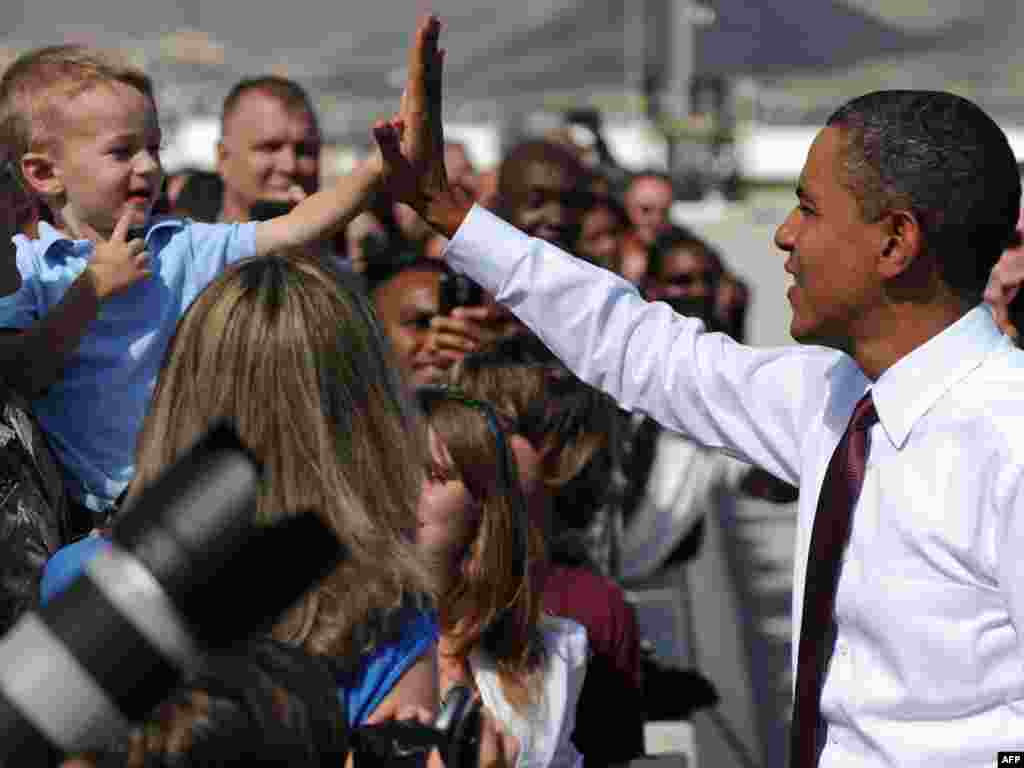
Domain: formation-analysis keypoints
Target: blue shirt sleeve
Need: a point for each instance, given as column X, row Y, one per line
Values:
column 382, row 667
column 216, row 246
column 67, row 564
column 23, row 307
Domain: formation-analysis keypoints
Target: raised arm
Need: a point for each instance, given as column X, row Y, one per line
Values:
column 755, row 404
column 322, row 214
column 412, row 146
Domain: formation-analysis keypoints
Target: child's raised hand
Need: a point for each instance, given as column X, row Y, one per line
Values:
column 118, row 262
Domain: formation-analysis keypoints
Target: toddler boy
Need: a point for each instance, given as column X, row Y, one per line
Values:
column 103, row 288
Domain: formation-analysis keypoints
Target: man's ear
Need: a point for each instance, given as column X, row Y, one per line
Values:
column 42, row 174
column 222, row 154
column 902, row 243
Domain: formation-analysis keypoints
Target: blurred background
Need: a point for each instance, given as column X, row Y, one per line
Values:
column 723, row 95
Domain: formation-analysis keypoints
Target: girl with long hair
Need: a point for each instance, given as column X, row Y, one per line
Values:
column 562, row 432
column 483, row 548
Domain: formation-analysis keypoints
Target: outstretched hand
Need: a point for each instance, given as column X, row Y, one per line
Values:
column 412, row 142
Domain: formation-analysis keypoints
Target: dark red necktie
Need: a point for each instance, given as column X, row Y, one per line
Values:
column 839, row 492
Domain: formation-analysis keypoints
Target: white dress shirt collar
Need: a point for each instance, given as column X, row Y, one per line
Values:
column 908, row 389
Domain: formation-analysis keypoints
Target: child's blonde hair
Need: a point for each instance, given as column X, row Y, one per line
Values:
column 36, row 87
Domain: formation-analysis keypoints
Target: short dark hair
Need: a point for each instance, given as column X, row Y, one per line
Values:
column 941, row 157
column 537, row 152
column 380, row 273
column 680, row 237
column 288, row 92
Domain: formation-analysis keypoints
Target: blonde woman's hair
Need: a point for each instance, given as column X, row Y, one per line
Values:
column 495, row 603
column 290, row 355
column 36, row 87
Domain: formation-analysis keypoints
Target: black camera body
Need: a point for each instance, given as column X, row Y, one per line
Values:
column 458, row 291
column 75, row 673
column 455, row 734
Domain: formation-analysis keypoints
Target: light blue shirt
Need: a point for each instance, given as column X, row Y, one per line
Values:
column 94, row 411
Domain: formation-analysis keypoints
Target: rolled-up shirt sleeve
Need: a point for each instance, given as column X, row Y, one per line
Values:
column 753, row 403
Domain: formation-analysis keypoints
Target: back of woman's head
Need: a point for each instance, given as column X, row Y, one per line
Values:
column 494, row 603
column 567, row 421
column 290, row 356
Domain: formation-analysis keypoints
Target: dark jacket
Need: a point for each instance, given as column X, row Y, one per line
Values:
column 34, row 509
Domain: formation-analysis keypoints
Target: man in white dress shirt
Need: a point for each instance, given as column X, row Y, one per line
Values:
column 905, row 202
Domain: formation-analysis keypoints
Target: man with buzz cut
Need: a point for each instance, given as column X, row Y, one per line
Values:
column 269, row 148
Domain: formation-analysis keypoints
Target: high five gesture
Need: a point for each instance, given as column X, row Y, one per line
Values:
column 412, row 142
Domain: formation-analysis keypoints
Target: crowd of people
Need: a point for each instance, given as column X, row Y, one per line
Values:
column 511, row 394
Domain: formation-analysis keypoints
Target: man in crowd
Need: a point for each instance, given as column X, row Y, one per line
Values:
column 269, row 148
column 540, row 189
column 900, row 419
column 602, row 228
column 406, row 298
column 648, row 200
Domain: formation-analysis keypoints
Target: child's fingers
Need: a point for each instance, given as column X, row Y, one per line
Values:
column 417, row 713
column 120, row 233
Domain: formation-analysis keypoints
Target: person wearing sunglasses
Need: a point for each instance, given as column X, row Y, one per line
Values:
column 484, row 550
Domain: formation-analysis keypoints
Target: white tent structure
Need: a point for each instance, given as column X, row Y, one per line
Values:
column 502, row 56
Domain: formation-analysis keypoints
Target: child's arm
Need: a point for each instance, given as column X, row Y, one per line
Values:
column 322, row 214
column 32, row 359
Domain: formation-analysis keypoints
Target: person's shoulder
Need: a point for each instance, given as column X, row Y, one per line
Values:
column 586, row 581
column 414, row 622
column 997, row 381
column 404, row 630
column 162, row 231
